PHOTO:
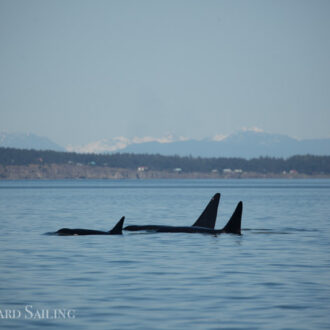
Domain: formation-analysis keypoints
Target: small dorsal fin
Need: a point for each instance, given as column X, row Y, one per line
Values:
column 209, row 216
column 117, row 229
column 233, row 226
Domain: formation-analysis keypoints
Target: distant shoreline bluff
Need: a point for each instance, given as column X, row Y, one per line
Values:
column 70, row 171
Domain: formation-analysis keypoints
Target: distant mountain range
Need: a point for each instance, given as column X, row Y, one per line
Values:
column 28, row 141
column 245, row 144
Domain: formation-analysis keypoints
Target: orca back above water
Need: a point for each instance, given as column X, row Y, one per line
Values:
column 204, row 224
column 116, row 230
column 206, row 220
column 233, row 226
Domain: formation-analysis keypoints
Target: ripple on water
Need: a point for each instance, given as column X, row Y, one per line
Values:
column 274, row 276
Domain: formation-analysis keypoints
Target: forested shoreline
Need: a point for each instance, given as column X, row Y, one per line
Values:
column 142, row 163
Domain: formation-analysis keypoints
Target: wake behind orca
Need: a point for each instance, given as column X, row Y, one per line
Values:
column 116, row 230
column 204, row 224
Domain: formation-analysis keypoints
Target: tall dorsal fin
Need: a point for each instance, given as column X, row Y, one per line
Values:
column 117, row 229
column 233, row 226
column 209, row 216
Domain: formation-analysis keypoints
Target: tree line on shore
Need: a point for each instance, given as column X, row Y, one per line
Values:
column 307, row 164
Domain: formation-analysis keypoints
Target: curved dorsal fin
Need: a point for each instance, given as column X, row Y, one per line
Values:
column 209, row 216
column 233, row 226
column 117, row 229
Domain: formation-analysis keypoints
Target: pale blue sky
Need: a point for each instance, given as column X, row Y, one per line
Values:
column 78, row 71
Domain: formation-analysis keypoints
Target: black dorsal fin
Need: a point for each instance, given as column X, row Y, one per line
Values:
column 117, row 229
column 233, row 226
column 209, row 216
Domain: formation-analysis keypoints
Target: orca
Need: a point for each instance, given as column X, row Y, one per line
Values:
column 206, row 220
column 233, row 226
column 204, row 224
column 116, row 230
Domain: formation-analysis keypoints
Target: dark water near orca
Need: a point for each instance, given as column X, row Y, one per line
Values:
column 275, row 276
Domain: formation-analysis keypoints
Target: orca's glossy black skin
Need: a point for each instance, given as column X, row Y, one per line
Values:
column 204, row 226
column 116, row 230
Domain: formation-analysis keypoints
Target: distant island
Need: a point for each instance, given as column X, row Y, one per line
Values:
column 18, row 164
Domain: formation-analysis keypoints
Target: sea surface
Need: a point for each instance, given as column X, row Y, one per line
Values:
column 275, row 276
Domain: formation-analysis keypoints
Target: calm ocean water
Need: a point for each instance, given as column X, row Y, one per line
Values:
column 275, row 276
